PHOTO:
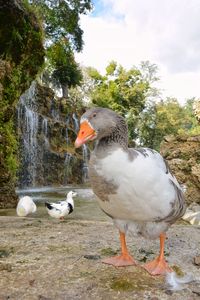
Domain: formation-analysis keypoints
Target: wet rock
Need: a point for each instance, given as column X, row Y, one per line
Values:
column 46, row 139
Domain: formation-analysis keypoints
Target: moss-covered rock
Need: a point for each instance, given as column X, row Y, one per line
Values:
column 46, row 137
column 183, row 156
column 21, row 57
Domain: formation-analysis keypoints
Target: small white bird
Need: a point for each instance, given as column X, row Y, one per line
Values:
column 25, row 206
column 62, row 208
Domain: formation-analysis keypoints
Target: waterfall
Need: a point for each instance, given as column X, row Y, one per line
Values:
column 45, row 131
column 67, row 168
column 68, row 156
column 85, row 150
column 66, row 133
column 28, row 124
column 85, row 163
column 76, row 124
column 46, row 138
column 54, row 111
column 45, row 126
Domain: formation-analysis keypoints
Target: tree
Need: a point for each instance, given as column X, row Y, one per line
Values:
column 164, row 118
column 63, row 36
column 191, row 124
column 61, row 20
column 65, row 71
column 124, row 91
column 196, row 107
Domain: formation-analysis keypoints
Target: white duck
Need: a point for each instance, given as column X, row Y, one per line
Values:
column 133, row 186
column 62, row 208
column 25, row 206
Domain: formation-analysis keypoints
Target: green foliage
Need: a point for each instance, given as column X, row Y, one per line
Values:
column 22, row 35
column 63, row 35
column 22, row 55
column 191, row 123
column 132, row 94
column 61, row 19
column 124, row 91
column 11, row 147
column 196, row 107
column 164, row 118
column 66, row 71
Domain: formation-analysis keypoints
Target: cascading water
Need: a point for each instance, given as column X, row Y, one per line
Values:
column 76, row 124
column 45, row 131
column 85, row 150
column 54, row 111
column 85, row 163
column 46, row 140
column 28, row 121
column 68, row 158
column 66, row 133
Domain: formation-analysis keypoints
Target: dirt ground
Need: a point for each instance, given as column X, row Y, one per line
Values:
column 43, row 258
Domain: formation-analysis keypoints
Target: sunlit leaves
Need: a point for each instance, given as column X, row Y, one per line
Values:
column 164, row 118
column 124, row 91
column 61, row 19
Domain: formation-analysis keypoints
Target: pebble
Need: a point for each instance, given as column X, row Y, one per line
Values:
column 197, row 260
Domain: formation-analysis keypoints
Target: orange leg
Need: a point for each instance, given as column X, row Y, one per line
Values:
column 158, row 266
column 122, row 260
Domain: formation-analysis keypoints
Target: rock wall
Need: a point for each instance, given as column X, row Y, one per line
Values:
column 183, row 156
column 22, row 54
column 47, row 129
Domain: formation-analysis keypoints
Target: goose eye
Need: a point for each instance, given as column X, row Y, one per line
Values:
column 94, row 115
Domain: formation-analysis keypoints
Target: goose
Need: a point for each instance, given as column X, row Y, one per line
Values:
column 62, row 208
column 134, row 186
column 25, row 206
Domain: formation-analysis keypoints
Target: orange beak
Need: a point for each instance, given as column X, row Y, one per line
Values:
column 86, row 133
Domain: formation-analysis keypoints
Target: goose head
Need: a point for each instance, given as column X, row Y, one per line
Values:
column 98, row 123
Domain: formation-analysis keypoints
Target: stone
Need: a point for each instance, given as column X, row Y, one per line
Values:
column 5, row 267
column 197, row 260
column 183, row 156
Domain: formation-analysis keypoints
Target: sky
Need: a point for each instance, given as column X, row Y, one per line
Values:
column 165, row 32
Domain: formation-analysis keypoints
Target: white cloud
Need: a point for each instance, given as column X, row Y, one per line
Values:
column 164, row 32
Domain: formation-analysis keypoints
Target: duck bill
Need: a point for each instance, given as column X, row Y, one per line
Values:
column 85, row 134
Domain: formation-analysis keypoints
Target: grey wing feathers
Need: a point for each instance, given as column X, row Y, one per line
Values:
column 178, row 205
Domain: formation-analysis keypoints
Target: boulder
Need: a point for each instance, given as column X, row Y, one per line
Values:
column 183, row 156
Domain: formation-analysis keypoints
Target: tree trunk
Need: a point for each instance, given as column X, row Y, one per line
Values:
column 64, row 90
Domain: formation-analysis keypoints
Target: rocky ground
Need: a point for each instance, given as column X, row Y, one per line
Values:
column 42, row 258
